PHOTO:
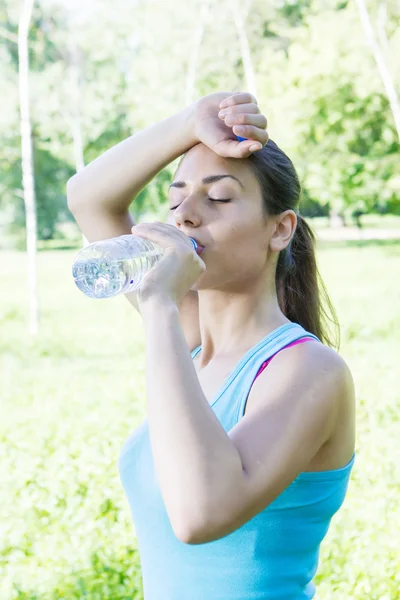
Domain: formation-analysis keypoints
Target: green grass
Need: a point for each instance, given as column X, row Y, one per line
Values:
column 373, row 221
column 71, row 397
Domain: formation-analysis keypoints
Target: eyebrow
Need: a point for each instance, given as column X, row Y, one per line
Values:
column 206, row 180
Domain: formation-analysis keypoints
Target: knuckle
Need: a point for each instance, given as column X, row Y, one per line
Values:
column 245, row 131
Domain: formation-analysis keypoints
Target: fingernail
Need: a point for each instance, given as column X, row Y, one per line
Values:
column 222, row 113
column 255, row 147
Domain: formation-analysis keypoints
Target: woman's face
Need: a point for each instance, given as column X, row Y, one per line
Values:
column 235, row 233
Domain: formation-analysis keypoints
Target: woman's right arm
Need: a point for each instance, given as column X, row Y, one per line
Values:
column 99, row 195
column 109, row 184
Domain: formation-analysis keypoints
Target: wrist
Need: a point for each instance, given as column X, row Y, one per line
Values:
column 153, row 306
column 189, row 124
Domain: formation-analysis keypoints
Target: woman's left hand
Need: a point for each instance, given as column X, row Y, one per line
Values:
column 176, row 272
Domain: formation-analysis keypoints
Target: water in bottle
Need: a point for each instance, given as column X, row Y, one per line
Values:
column 115, row 266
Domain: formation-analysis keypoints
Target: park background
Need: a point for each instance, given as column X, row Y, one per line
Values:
column 82, row 76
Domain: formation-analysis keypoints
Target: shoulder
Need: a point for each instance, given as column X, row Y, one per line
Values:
column 314, row 360
column 308, row 376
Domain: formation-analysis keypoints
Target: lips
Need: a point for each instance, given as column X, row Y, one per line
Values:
column 199, row 248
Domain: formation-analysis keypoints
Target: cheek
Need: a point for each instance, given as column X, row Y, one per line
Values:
column 239, row 261
column 246, row 246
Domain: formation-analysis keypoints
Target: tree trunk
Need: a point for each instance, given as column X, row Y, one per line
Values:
column 336, row 219
column 381, row 64
column 194, row 56
column 27, row 163
column 240, row 11
column 381, row 29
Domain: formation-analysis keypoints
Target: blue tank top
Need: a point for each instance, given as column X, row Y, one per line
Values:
column 274, row 556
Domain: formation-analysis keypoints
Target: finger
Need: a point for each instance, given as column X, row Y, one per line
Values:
column 238, row 98
column 236, row 149
column 251, row 133
column 238, row 109
column 259, row 121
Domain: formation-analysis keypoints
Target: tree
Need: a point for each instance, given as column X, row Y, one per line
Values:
column 240, row 12
column 27, row 163
column 381, row 63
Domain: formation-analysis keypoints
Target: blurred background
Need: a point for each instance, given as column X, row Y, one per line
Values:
column 78, row 77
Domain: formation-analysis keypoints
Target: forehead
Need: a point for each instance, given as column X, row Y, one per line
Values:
column 200, row 162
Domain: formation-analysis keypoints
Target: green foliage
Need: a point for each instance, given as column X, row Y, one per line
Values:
column 110, row 72
column 51, row 205
column 351, row 151
column 71, row 397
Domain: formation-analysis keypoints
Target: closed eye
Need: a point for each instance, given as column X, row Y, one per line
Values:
column 212, row 199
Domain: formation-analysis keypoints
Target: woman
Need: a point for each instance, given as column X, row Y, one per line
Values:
column 248, row 444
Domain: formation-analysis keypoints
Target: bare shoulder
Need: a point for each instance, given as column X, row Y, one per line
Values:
column 310, row 373
column 330, row 381
column 314, row 359
column 313, row 382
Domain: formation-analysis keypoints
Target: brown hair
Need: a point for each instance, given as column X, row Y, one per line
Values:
column 301, row 292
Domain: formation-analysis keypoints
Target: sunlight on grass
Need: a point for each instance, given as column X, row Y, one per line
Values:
column 71, row 397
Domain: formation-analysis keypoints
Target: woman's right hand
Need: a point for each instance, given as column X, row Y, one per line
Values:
column 219, row 134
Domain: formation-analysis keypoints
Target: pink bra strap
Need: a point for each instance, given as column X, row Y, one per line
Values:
column 266, row 363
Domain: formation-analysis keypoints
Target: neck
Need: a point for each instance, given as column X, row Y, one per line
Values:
column 232, row 322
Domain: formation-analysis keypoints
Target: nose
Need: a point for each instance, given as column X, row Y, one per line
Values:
column 187, row 213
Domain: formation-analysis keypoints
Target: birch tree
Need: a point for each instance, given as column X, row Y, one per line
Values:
column 381, row 63
column 28, row 185
column 195, row 53
column 240, row 12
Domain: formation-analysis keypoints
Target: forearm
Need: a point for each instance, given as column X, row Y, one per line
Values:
column 116, row 177
column 194, row 458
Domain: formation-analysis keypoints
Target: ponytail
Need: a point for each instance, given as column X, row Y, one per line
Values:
column 301, row 292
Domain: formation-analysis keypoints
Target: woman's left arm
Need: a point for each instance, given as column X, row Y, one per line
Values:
column 195, row 460
column 213, row 482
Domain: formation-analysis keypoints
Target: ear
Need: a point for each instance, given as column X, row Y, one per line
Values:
column 285, row 226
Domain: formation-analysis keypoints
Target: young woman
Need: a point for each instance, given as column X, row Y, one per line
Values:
column 247, row 448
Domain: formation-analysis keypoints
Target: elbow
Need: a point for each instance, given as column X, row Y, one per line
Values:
column 200, row 532
column 191, row 530
column 191, row 536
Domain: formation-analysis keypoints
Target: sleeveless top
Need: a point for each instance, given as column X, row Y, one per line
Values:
column 274, row 556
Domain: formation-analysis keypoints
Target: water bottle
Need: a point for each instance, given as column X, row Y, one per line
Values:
column 115, row 266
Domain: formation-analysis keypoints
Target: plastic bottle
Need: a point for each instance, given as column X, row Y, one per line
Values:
column 115, row 266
